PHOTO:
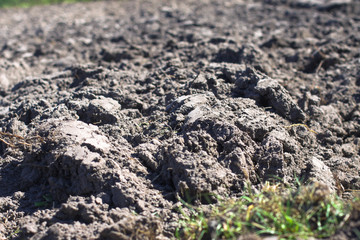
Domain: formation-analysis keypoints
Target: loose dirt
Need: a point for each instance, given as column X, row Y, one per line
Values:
column 112, row 111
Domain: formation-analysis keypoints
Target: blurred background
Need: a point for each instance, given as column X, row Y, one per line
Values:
column 29, row 3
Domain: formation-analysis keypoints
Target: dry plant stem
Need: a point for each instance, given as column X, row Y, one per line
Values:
column 9, row 144
column 16, row 139
column 304, row 125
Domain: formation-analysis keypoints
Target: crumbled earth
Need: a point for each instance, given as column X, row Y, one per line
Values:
column 112, row 111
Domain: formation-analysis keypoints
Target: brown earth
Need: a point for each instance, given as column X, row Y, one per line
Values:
column 111, row 111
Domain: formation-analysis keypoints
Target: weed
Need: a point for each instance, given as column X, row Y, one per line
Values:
column 46, row 202
column 193, row 225
column 309, row 211
column 9, row 230
column 14, row 234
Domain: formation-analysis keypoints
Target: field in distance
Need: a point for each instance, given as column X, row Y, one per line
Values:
column 29, row 3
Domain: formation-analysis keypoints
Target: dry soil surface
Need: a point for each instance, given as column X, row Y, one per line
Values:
column 112, row 111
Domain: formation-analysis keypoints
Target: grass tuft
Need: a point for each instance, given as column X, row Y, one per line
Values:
column 308, row 211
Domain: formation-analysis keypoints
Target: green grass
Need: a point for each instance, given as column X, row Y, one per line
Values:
column 46, row 202
column 309, row 211
column 29, row 3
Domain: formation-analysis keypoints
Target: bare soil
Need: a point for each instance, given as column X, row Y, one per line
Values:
column 112, row 111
